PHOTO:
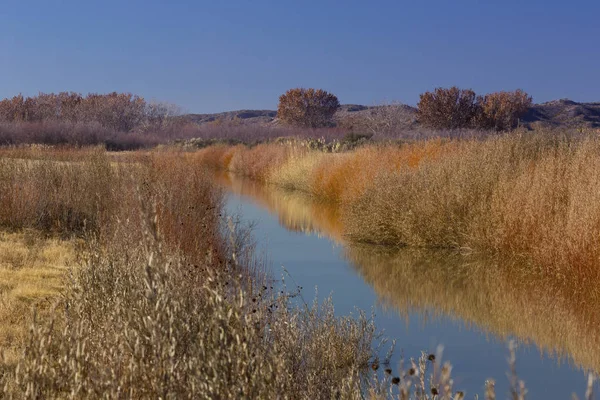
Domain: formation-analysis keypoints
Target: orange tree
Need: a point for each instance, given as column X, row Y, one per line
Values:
column 311, row 108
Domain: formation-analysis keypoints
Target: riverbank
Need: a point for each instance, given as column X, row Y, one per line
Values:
column 530, row 196
column 167, row 298
column 490, row 297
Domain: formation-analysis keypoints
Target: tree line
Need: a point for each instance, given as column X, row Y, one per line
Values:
column 121, row 112
column 444, row 108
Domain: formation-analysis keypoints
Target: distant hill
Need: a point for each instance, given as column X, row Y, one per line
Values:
column 554, row 113
column 564, row 112
column 244, row 116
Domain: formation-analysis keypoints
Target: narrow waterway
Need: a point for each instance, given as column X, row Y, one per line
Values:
column 427, row 298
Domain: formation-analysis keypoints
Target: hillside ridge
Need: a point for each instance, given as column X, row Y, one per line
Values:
column 561, row 112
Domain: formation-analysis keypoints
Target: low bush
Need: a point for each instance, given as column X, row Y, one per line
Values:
column 74, row 134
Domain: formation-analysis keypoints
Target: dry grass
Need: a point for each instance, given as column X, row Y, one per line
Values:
column 168, row 299
column 33, row 272
column 529, row 195
column 193, row 330
column 57, row 196
column 507, row 299
column 526, row 196
column 216, row 157
column 257, row 162
column 296, row 172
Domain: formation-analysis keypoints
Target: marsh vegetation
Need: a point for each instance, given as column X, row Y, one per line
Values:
column 144, row 287
column 471, row 303
column 525, row 195
column 164, row 297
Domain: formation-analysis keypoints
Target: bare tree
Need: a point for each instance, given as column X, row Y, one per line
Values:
column 388, row 118
column 160, row 115
column 451, row 108
column 501, row 111
column 383, row 119
column 311, row 108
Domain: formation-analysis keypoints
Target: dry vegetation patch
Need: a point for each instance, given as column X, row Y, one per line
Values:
column 531, row 195
column 33, row 273
column 169, row 300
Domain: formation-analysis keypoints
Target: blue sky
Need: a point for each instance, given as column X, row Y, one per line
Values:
column 210, row 56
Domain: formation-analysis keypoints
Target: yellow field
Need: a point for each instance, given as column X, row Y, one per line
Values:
column 33, row 270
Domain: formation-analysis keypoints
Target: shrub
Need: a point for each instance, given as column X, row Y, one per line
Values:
column 501, row 111
column 451, row 108
column 455, row 108
column 311, row 108
column 386, row 119
column 75, row 134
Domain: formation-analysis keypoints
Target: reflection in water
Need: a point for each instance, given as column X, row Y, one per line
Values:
column 295, row 210
column 505, row 300
column 502, row 298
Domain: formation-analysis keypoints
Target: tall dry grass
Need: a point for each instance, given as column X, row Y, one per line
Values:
column 168, row 301
column 57, row 196
column 530, row 195
column 503, row 297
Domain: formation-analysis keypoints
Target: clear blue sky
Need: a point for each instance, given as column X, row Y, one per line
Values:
column 210, row 56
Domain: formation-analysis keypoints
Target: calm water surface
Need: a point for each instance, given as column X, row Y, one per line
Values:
column 424, row 299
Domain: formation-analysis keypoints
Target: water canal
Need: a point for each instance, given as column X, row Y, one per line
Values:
column 429, row 298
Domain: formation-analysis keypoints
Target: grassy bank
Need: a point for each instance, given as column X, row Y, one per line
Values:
column 506, row 298
column 166, row 300
column 533, row 196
